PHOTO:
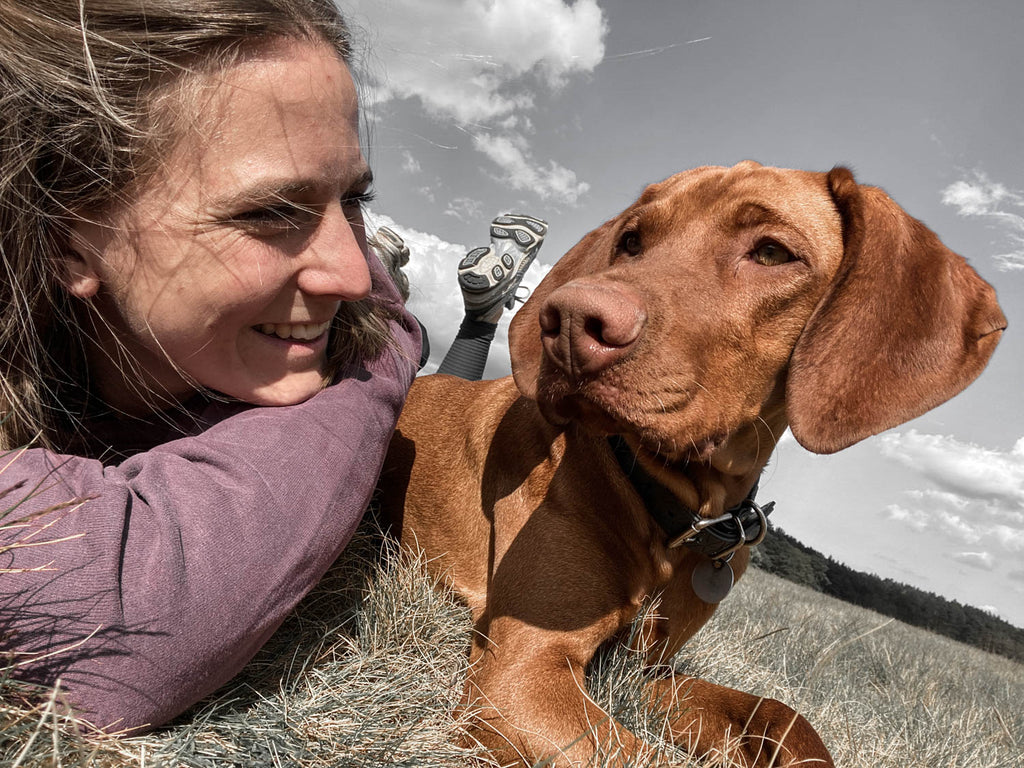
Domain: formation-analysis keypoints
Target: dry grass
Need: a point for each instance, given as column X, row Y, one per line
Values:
column 881, row 693
column 369, row 670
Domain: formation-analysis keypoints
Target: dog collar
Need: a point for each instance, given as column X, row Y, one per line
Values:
column 717, row 538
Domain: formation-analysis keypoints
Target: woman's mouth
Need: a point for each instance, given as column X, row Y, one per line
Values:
column 295, row 331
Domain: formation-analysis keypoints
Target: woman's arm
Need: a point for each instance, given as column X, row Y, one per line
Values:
column 188, row 556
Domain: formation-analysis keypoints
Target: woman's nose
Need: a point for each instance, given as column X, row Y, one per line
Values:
column 334, row 263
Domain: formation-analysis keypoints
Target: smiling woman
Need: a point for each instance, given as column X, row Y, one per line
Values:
column 253, row 219
column 183, row 245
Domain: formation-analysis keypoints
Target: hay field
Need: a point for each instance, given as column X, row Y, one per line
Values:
column 368, row 670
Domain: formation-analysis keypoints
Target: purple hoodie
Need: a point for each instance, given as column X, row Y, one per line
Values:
column 191, row 552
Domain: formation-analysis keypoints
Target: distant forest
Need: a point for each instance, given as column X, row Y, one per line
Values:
column 784, row 556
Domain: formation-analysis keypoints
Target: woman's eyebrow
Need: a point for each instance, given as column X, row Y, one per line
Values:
column 273, row 190
column 267, row 191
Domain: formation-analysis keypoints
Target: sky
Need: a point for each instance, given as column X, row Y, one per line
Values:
column 567, row 110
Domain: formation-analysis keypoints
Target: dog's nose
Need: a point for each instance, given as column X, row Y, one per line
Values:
column 586, row 327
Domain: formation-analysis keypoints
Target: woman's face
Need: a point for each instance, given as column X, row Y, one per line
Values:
column 226, row 269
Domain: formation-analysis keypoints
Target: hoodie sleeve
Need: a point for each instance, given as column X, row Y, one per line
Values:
column 166, row 573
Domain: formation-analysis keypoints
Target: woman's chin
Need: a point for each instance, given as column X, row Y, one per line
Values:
column 291, row 390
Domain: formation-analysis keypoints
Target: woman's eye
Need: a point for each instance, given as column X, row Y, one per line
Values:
column 274, row 218
column 771, row 255
column 359, row 199
column 630, row 243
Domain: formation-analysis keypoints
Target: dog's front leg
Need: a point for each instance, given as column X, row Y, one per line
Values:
column 750, row 731
column 527, row 701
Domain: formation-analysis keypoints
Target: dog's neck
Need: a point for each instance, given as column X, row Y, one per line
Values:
column 716, row 537
column 714, row 481
column 708, row 504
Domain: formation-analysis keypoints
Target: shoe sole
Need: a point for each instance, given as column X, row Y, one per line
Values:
column 480, row 276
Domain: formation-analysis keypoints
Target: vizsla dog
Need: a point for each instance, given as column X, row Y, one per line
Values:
column 654, row 369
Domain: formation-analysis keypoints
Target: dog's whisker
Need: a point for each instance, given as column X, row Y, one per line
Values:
column 771, row 433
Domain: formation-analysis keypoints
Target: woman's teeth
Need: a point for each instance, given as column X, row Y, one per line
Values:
column 299, row 331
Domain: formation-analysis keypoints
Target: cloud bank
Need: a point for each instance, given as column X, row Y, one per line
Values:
column 980, row 196
column 978, row 504
column 482, row 66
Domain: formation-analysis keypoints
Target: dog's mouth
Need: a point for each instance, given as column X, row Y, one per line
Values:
column 582, row 410
column 600, row 403
column 659, row 423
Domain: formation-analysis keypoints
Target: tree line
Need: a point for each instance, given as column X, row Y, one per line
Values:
column 784, row 556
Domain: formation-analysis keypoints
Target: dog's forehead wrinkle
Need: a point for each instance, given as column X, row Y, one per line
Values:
column 650, row 219
column 758, row 213
column 776, row 189
column 702, row 212
column 800, row 201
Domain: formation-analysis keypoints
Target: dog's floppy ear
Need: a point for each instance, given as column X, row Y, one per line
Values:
column 905, row 325
column 589, row 255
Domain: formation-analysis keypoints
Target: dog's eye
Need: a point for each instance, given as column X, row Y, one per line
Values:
column 771, row 254
column 630, row 242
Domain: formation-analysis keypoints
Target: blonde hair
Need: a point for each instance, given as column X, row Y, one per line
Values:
column 87, row 96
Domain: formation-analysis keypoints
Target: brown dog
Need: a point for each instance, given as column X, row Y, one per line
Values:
column 722, row 306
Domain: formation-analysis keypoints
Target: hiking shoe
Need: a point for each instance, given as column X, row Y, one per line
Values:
column 393, row 254
column 490, row 275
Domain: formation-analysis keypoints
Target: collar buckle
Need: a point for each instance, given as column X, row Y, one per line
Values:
column 697, row 526
column 734, row 526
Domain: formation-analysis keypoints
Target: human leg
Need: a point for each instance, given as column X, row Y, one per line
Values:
column 489, row 277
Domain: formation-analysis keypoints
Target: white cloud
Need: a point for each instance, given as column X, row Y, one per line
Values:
column 469, row 59
column 980, row 196
column 982, row 560
column 434, row 295
column 521, row 172
column 483, row 63
column 931, row 516
column 465, row 209
column 914, row 519
column 964, row 469
column 409, row 163
column 979, row 500
column 1011, row 538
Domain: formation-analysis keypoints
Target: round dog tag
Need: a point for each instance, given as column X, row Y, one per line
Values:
column 712, row 584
